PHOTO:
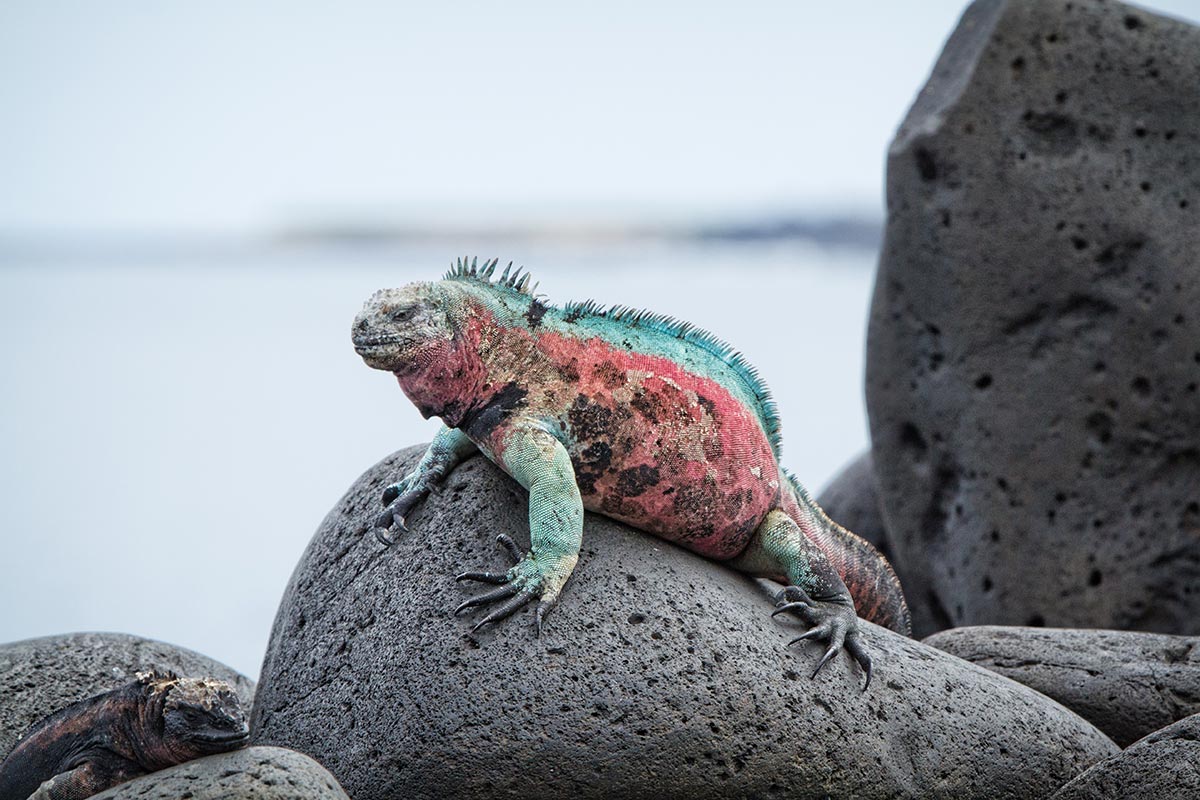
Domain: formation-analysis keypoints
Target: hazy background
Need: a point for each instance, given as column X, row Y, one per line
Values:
column 195, row 198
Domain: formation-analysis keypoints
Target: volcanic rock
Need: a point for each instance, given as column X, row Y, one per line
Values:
column 1127, row 684
column 659, row 674
column 1033, row 358
column 261, row 773
column 1161, row 766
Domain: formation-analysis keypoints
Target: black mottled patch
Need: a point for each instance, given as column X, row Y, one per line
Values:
column 535, row 313
column 708, row 405
column 692, row 499
column 590, row 465
column 589, row 420
column 649, row 405
column 482, row 421
column 570, row 371
column 609, row 373
column 636, row 480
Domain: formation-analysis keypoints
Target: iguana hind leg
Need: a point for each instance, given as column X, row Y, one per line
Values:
column 445, row 452
column 815, row 594
column 540, row 463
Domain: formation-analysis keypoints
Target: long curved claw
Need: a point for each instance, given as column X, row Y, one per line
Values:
column 483, row 577
column 507, row 590
column 506, row 609
column 814, row 633
column 835, row 647
column 786, row 607
column 859, row 653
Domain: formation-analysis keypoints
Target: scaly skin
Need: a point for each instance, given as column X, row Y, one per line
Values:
column 157, row 721
column 631, row 415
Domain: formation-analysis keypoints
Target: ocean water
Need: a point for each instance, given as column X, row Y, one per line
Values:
column 175, row 425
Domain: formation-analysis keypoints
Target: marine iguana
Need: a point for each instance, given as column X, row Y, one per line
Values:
column 630, row 414
column 154, row 722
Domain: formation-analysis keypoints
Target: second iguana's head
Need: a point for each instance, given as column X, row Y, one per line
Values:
column 405, row 330
column 195, row 717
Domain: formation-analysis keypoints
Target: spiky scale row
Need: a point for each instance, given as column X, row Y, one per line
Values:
column 470, row 270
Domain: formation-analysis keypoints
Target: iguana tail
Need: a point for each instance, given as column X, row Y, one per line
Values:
column 867, row 574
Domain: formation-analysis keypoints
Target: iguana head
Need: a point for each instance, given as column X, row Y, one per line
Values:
column 198, row 716
column 405, row 330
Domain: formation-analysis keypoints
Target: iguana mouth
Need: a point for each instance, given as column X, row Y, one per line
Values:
column 366, row 345
column 230, row 738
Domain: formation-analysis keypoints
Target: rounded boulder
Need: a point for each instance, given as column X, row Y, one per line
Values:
column 261, row 773
column 658, row 674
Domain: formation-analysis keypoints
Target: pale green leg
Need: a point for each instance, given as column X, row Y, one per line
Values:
column 445, row 452
column 540, row 463
column 815, row 592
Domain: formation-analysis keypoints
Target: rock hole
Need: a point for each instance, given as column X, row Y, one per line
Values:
column 926, row 167
column 911, row 439
column 1079, row 242
column 1095, row 578
column 1132, row 23
column 637, row 618
column 1140, row 386
column 987, row 583
column 1036, row 621
column 1144, row 186
column 983, row 381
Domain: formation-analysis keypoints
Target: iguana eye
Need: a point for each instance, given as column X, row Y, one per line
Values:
column 403, row 314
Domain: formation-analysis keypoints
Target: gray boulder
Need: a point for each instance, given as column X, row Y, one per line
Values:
column 1127, row 684
column 1033, row 357
column 852, row 500
column 1162, row 766
column 262, row 773
column 40, row 676
column 659, row 674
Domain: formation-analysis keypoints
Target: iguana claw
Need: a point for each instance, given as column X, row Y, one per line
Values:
column 398, row 505
column 517, row 587
column 832, row 621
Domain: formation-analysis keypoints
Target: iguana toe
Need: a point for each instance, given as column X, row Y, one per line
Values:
column 525, row 581
column 399, row 504
column 832, row 621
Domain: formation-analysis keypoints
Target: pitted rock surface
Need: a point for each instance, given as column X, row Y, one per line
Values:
column 261, row 773
column 852, row 500
column 659, row 674
column 1162, row 766
column 1033, row 358
column 1127, row 684
column 40, row 676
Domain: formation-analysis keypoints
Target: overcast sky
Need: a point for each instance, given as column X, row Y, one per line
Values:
column 235, row 116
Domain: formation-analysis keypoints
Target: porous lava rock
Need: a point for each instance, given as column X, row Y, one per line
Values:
column 1127, row 684
column 40, row 676
column 1162, row 766
column 659, row 674
column 1033, row 357
column 852, row 500
column 261, row 773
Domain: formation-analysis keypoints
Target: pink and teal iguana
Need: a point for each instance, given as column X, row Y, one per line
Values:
column 625, row 413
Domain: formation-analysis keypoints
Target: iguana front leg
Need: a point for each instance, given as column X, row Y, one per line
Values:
column 86, row 780
column 445, row 452
column 540, row 463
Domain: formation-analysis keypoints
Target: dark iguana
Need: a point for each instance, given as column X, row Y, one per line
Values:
column 630, row 414
column 154, row 722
